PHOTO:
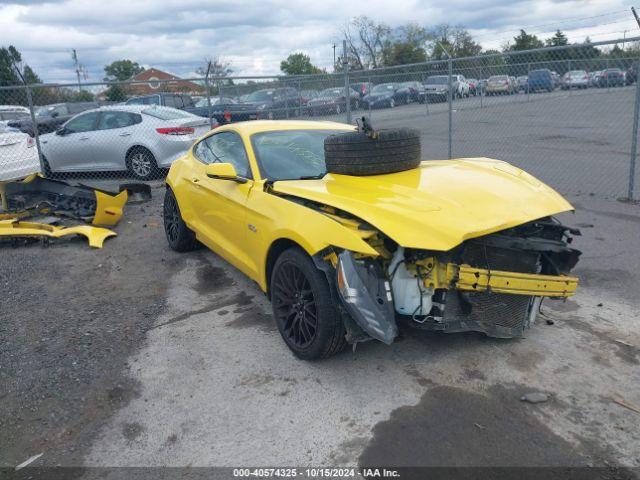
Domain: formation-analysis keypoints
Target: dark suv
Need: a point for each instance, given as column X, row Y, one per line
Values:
column 50, row 117
column 276, row 102
column 180, row 101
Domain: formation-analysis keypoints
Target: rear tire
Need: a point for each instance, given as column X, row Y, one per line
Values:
column 179, row 236
column 303, row 308
column 142, row 164
column 354, row 153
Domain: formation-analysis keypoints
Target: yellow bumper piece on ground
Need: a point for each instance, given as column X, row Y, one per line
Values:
column 109, row 208
column 16, row 228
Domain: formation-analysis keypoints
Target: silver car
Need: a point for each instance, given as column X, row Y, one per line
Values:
column 139, row 139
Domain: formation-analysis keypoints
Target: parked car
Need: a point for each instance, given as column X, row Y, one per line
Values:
column 410, row 92
column 18, row 154
column 631, row 75
column 50, row 117
column 362, row 88
column 594, row 78
column 482, row 86
column 332, row 100
column 308, row 95
column 224, row 110
column 522, row 83
column 460, row 86
column 541, row 80
column 10, row 113
column 139, row 139
column 276, row 102
column 500, row 85
column 181, row 101
column 342, row 253
column 383, row 95
column 575, row 79
column 436, row 88
column 473, row 86
column 611, row 77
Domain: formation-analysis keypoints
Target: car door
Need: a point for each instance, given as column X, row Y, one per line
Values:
column 72, row 148
column 115, row 134
column 219, row 206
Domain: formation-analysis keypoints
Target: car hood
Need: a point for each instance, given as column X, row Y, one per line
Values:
column 438, row 205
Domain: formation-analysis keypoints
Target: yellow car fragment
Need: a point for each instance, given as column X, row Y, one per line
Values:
column 16, row 228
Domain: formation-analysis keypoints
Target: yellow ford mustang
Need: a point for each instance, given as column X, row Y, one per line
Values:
column 452, row 245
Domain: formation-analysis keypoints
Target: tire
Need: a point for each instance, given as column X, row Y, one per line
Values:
column 392, row 103
column 142, row 164
column 303, row 308
column 354, row 153
column 179, row 237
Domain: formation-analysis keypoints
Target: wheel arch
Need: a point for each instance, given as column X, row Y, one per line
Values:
column 276, row 249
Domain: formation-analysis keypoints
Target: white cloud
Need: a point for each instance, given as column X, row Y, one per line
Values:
column 256, row 35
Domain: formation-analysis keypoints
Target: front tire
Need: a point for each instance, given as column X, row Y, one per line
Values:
column 179, row 237
column 306, row 316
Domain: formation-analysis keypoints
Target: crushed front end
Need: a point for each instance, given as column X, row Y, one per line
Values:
column 492, row 284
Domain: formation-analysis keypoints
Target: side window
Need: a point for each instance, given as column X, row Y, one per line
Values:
column 61, row 110
column 173, row 101
column 82, row 123
column 187, row 101
column 224, row 147
column 110, row 120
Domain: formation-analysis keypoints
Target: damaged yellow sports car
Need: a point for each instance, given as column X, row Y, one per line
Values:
column 348, row 233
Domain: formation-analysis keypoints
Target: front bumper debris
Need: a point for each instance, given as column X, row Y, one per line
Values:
column 19, row 229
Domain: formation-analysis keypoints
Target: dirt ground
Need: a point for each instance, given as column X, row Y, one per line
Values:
column 135, row 355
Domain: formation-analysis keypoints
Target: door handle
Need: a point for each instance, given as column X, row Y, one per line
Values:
column 125, row 134
column 83, row 138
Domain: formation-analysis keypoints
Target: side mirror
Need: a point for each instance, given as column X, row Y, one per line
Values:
column 61, row 131
column 223, row 171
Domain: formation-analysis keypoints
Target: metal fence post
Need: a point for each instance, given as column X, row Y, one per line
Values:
column 528, row 83
column 568, row 70
column 347, row 94
column 634, row 140
column 450, row 100
column 208, row 87
column 35, row 127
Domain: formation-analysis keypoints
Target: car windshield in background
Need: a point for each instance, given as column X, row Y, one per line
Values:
column 439, row 80
column 214, row 101
column 166, row 113
column 260, row 96
column 385, row 87
column 151, row 100
column 291, row 154
column 331, row 92
column 44, row 111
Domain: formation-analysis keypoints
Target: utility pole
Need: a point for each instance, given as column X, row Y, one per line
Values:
column 347, row 88
column 77, row 66
column 334, row 57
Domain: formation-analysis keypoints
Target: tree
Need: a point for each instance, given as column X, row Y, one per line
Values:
column 403, row 53
column 115, row 93
column 456, row 41
column 365, row 42
column 219, row 67
column 524, row 41
column 559, row 39
column 122, row 70
column 298, row 64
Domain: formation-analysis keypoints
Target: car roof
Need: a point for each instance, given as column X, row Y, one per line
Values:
column 257, row 126
column 133, row 108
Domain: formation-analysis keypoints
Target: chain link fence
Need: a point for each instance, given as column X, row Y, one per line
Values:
column 568, row 115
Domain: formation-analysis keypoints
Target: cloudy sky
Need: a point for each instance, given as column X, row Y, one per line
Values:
column 176, row 35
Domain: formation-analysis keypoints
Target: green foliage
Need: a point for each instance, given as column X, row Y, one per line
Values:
column 524, row 41
column 122, row 70
column 557, row 40
column 82, row 96
column 403, row 53
column 298, row 64
column 115, row 93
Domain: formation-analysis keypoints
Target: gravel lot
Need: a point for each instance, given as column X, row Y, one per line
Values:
column 134, row 355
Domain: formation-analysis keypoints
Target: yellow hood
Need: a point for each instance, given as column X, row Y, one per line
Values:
column 438, row 205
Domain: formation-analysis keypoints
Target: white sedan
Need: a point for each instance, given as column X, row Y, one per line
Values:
column 140, row 139
column 18, row 155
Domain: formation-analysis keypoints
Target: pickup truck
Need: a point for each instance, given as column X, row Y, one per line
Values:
column 223, row 110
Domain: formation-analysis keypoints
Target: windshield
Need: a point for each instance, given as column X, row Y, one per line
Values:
column 331, row 92
column 498, row 78
column 260, row 96
column 438, row 80
column 214, row 101
column 166, row 113
column 291, row 154
column 385, row 87
column 45, row 111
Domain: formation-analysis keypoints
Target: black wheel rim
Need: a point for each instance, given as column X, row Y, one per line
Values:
column 294, row 305
column 171, row 219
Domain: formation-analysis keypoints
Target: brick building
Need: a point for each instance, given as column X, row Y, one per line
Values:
column 159, row 81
